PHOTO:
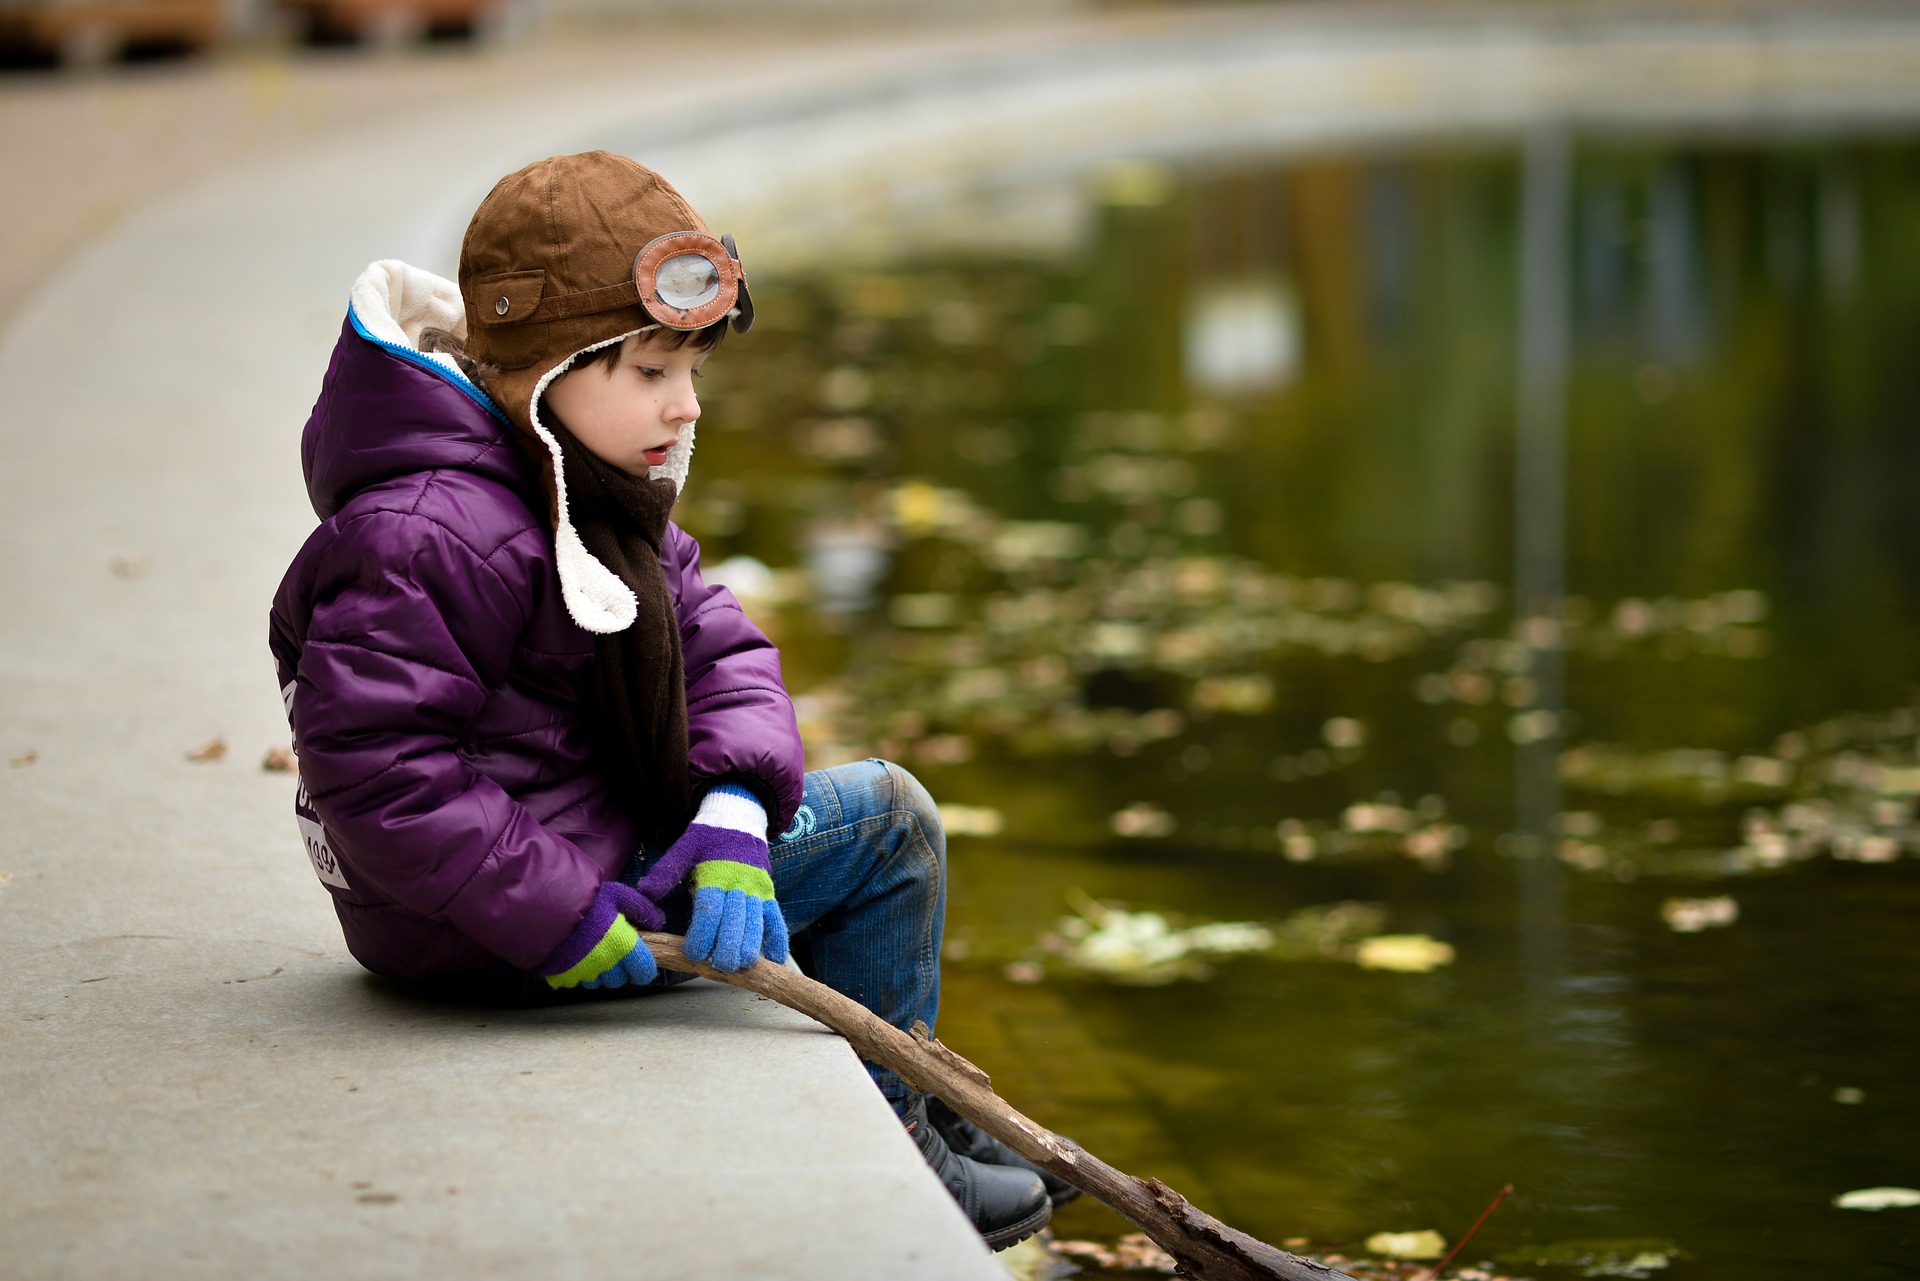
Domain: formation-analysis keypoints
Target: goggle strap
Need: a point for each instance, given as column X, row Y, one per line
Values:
column 586, row 303
column 589, row 302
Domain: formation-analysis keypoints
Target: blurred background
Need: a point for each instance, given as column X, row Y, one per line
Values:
column 1387, row 527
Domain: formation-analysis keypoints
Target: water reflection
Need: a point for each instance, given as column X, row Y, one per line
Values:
column 1540, row 543
column 1538, row 573
column 845, row 560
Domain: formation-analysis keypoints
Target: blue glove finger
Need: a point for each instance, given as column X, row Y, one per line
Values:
column 774, row 947
column 639, row 966
column 734, row 949
column 753, row 930
column 705, row 926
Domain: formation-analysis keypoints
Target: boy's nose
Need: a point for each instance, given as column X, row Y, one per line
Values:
column 685, row 405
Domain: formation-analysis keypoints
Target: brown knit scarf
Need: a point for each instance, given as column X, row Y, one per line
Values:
column 639, row 707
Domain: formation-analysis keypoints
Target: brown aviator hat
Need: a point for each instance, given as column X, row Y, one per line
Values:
column 571, row 254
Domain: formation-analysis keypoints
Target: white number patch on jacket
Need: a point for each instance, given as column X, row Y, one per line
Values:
column 326, row 865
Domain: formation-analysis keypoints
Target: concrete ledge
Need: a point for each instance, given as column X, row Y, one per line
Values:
column 193, row 1110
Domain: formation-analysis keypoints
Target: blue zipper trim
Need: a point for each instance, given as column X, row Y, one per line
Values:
column 432, row 366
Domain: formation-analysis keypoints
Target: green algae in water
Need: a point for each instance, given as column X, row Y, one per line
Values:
column 1632, row 1257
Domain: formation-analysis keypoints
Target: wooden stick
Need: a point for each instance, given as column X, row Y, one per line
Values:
column 1202, row 1245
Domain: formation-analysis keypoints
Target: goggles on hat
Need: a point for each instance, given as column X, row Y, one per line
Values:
column 683, row 280
column 689, row 279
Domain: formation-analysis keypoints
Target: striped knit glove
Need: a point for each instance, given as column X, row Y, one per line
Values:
column 735, row 919
column 605, row 950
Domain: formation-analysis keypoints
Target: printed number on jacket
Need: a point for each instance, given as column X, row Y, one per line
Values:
column 326, row 865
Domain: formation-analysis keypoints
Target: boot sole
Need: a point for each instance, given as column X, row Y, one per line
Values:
column 1018, row 1232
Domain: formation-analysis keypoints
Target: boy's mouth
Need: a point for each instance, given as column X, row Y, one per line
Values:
column 655, row 457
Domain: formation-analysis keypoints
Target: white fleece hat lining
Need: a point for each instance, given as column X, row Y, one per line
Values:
column 595, row 596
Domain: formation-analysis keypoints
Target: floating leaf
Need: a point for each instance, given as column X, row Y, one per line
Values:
column 1246, row 695
column 1142, row 820
column 1344, row 732
column 1134, row 1252
column 1424, row 1244
column 1143, row 948
column 1333, row 931
column 1878, row 1199
column 1691, row 915
column 1403, row 953
column 971, row 820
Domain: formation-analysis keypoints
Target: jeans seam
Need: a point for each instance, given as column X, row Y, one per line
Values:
column 898, row 812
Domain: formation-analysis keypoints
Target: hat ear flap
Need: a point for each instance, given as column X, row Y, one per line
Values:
column 743, row 300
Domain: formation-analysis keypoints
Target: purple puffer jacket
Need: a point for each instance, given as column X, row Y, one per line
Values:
column 449, row 795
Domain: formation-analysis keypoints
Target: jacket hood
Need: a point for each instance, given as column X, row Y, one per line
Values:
column 388, row 409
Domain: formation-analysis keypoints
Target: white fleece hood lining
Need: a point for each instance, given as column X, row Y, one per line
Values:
column 395, row 302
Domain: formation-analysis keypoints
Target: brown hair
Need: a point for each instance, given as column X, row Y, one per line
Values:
column 608, row 357
column 448, row 343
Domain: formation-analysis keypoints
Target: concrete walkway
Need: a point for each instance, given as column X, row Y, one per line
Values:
column 194, row 1079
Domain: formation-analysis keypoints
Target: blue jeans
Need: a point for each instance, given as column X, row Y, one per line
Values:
column 861, row 879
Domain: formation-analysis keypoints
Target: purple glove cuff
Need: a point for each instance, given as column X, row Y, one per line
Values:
column 669, row 871
column 636, row 907
column 731, row 825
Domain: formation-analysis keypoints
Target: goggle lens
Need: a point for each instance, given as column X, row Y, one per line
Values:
column 687, row 281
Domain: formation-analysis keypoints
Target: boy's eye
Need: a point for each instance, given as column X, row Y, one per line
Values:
column 651, row 371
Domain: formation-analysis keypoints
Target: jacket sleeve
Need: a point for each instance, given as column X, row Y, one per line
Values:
column 409, row 631
column 740, row 721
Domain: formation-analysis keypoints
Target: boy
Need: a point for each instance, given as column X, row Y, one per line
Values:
column 526, row 727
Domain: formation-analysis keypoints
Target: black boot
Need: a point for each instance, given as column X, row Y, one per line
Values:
column 1006, row 1205
column 969, row 1140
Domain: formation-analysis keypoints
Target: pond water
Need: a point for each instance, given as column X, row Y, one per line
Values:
column 1509, row 550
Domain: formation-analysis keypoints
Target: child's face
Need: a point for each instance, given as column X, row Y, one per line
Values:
column 632, row 415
